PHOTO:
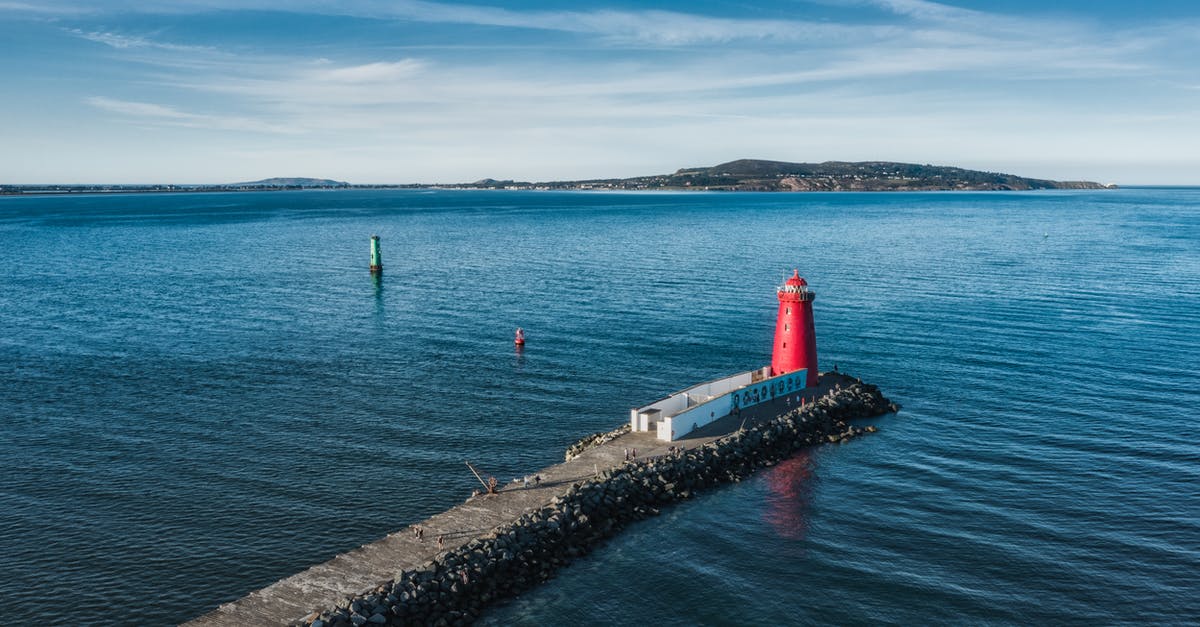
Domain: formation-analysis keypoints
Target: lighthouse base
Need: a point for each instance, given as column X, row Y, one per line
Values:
column 688, row 411
column 777, row 406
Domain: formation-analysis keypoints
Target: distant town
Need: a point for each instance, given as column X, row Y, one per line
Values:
column 741, row 175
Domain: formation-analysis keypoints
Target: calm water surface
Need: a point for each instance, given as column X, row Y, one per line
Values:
column 203, row 393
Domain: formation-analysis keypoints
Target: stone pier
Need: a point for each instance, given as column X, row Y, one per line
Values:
column 494, row 546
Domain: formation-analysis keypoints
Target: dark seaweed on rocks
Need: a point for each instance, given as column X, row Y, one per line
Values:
column 454, row 588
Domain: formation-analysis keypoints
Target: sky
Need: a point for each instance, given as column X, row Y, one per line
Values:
column 421, row 91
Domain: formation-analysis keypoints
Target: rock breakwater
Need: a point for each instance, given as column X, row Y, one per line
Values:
column 594, row 440
column 454, row 588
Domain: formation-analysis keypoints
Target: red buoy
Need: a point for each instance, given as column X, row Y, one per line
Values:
column 520, row 341
column 795, row 335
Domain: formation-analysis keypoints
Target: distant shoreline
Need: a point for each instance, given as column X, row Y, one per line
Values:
column 742, row 175
column 101, row 190
column 75, row 190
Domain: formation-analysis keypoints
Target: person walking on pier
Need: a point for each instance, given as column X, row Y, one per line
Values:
column 441, row 542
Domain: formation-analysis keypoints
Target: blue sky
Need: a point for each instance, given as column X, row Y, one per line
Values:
column 423, row 91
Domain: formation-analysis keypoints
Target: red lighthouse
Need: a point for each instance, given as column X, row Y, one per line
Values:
column 795, row 335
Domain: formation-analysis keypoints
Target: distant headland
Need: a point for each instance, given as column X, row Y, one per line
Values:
column 747, row 175
column 756, row 175
column 271, row 184
column 292, row 183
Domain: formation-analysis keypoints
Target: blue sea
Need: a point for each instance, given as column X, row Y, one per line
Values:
column 203, row 393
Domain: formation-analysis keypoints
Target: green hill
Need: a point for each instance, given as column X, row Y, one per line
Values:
column 292, row 183
column 761, row 175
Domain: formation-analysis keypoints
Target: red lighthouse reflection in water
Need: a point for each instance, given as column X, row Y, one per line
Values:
column 791, row 485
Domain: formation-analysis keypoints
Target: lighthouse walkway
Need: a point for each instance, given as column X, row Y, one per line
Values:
column 364, row 568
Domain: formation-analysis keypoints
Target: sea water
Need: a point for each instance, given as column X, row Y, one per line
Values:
column 203, row 393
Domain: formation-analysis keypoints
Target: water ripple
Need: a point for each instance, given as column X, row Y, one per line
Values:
column 203, row 393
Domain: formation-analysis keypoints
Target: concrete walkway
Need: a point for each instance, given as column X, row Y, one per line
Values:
column 325, row 585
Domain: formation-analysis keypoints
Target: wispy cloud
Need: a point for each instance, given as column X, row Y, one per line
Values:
column 379, row 71
column 122, row 42
column 146, row 112
column 583, row 84
column 652, row 27
column 925, row 10
column 43, row 8
column 943, row 41
column 925, row 20
column 138, row 109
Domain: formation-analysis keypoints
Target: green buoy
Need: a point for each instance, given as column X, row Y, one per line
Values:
column 376, row 255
